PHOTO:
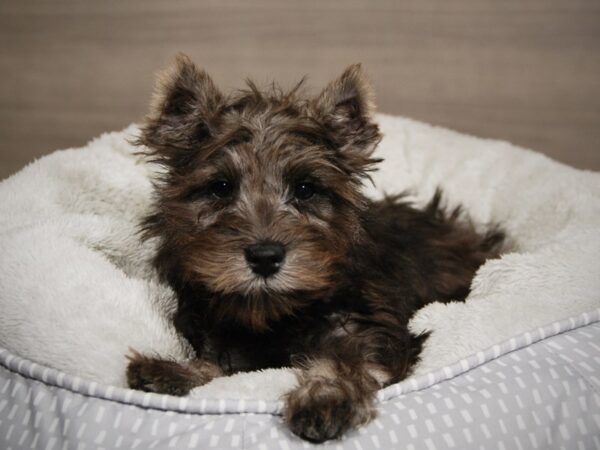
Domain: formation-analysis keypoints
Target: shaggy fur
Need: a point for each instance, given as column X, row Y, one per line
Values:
column 277, row 169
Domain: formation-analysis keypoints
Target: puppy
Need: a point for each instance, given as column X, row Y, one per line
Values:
column 277, row 257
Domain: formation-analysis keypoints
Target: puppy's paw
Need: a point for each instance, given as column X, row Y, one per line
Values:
column 167, row 377
column 321, row 409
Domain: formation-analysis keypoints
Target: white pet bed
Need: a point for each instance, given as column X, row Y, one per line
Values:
column 77, row 290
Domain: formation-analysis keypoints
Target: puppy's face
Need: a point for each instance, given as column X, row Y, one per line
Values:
column 261, row 198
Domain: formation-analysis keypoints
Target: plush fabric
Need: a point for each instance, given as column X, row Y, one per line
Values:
column 77, row 289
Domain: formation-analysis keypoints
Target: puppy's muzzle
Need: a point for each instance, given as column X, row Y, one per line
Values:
column 265, row 258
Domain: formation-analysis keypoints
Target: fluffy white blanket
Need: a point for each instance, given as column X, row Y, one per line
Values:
column 77, row 289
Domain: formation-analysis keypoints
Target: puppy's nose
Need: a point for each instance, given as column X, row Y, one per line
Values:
column 265, row 258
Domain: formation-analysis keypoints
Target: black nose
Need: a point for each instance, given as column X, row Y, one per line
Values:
column 265, row 258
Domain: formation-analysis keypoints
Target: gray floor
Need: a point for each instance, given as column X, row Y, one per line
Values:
column 527, row 71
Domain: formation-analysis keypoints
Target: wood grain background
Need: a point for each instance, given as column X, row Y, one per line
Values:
column 527, row 71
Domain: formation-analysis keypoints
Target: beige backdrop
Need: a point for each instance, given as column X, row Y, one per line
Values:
column 527, row 71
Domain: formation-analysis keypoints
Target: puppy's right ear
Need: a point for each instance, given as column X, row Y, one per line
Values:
column 182, row 112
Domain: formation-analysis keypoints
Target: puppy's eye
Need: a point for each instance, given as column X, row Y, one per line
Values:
column 304, row 190
column 221, row 188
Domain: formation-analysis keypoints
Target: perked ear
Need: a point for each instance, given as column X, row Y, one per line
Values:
column 181, row 114
column 346, row 107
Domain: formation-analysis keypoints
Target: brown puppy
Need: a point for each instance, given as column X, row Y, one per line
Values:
column 276, row 256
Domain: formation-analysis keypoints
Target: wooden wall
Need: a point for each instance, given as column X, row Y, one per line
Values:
column 527, row 71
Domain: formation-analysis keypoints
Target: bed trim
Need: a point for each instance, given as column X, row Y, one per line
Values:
column 55, row 378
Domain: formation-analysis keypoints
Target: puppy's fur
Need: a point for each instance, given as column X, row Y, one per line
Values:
column 284, row 172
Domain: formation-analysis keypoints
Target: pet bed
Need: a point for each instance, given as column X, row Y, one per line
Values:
column 515, row 366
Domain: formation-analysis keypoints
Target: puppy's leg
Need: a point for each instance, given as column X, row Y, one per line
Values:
column 333, row 397
column 168, row 377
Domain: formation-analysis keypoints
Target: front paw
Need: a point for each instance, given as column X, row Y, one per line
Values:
column 167, row 377
column 321, row 409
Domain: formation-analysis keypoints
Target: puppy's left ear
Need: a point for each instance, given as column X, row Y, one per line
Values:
column 346, row 107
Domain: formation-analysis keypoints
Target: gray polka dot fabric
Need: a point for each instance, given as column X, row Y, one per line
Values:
column 540, row 390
